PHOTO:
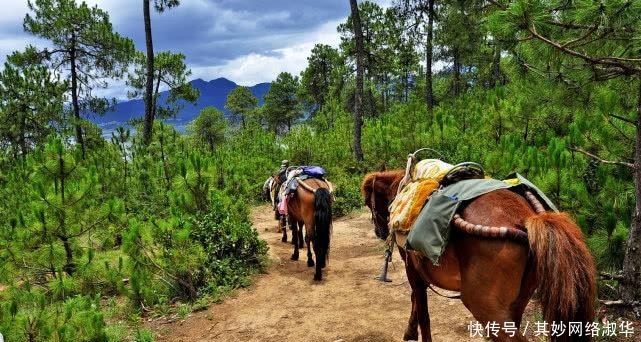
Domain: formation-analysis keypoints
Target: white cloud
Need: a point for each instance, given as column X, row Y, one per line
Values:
column 256, row 67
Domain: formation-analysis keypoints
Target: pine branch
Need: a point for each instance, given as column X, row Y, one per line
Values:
column 619, row 64
column 597, row 158
column 622, row 118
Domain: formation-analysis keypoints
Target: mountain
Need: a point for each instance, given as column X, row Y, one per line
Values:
column 212, row 94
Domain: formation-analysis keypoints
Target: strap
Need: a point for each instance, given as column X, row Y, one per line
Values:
column 458, row 296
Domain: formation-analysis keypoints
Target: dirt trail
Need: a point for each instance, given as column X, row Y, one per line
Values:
column 348, row 305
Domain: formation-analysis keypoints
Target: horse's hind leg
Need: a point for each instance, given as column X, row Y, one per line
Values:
column 310, row 260
column 498, row 301
column 282, row 222
column 300, row 235
column 294, row 226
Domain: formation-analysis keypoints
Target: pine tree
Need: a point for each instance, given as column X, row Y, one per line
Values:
column 282, row 107
column 31, row 103
column 242, row 103
column 160, row 6
column 358, row 96
column 209, row 127
column 85, row 44
column 318, row 78
column 579, row 44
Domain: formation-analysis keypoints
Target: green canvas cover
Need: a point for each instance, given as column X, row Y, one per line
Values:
column 430, row 231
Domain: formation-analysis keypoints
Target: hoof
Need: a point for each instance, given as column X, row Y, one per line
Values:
column 318, row 277
column 413, row 336
column 284, row 239
column 294, row 257
column 301, row 245
column 310, row 263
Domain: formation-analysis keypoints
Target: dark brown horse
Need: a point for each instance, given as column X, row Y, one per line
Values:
column 497, row 276
column 311, row 207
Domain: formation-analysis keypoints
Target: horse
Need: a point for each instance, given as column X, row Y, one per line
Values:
column 270, row 190
column 496, row 276
column 267, row 189
column 311, row 206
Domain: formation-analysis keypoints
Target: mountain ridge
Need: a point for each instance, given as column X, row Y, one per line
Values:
column 213, row 93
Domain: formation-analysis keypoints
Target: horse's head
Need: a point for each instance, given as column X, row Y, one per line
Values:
column 379, row 190
column 267, row 187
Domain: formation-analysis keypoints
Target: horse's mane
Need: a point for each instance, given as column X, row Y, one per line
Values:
column 391, row 178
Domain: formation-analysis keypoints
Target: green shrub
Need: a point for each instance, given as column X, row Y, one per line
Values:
column 232, row 245
column 347, row 195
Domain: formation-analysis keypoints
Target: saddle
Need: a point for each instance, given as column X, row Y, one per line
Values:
column 295, row 176
column 421, row 179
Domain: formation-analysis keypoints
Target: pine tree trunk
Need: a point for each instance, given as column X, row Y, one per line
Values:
column 149, row 89
column 429, row 56
column 358, row 96
column 632, row 262
column 75, row 104
column 23, row 137
column 457, row 72
column 496, row 66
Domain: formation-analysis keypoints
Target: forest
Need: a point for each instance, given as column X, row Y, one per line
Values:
column 97, row 235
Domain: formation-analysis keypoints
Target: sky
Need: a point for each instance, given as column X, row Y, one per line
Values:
column 246, row 41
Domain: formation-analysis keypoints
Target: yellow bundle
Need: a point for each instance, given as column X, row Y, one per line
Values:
column 425, row 179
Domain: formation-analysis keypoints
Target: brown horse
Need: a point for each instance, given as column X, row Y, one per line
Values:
column 497, row 276
column 311, row 206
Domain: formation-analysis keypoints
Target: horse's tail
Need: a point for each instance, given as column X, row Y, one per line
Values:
column 322, row 224
column 564, row 269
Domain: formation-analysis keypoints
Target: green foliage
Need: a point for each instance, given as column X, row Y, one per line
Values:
column 87, row 54
column 282, row 106
column 242, row 103
column 31, row 106
column 27, row 316
column 209, row 127
column 232, row 246
column 318, row 77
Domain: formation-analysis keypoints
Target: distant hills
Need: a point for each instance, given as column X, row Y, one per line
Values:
column 212, row 94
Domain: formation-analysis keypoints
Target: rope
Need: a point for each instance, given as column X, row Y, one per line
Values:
column 458, row 296
column 538, row 207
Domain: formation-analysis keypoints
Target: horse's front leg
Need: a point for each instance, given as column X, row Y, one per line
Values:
column 411, row 332
column 294, row 225
column 423, row 314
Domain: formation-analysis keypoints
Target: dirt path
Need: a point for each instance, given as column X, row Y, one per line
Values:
column 348, row 305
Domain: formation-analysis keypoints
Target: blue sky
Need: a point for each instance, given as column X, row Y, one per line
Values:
column 247, row 41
